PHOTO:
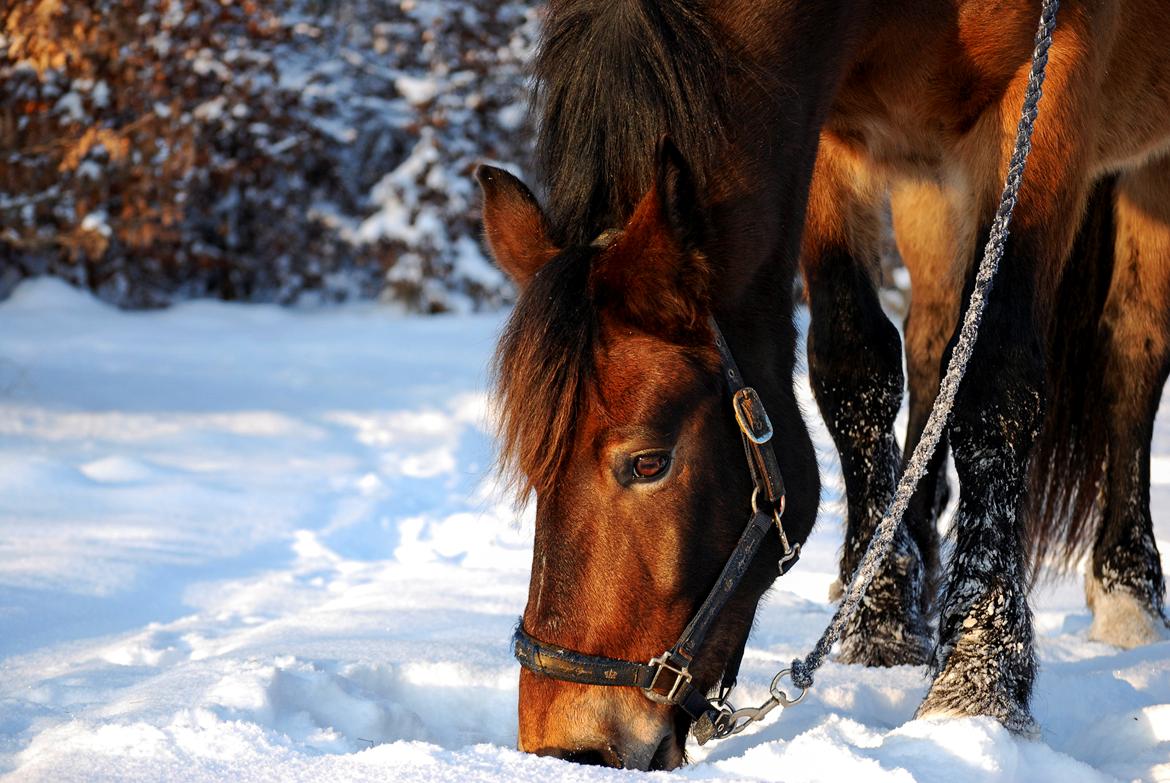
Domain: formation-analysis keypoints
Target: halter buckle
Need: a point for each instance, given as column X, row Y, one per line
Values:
column 750, row 415
column 682, row 679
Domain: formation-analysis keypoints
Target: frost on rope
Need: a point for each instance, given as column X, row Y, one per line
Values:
column 158, row 150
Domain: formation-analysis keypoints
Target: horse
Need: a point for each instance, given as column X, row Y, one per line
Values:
column 697, row 157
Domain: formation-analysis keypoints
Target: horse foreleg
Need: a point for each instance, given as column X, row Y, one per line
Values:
column 855, row 366
column 984, row 661
column 935, row 247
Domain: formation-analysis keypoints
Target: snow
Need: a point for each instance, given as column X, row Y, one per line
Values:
column 249, row 543
column 70, row 104
column 97, row 221
column 417, row 91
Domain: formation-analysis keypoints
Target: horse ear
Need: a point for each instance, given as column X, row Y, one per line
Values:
column 676, row 187
column 516, row 229
column 655, row 268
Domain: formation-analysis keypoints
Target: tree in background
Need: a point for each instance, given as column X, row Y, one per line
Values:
column 160, row 149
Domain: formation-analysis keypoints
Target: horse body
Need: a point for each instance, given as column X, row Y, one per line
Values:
column 793, row 122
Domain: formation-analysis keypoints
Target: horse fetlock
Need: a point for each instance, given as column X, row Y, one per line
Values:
column 871, row 476
column 891, row 626
column 1125, row 615
column 1126, row 554
column 985, row 659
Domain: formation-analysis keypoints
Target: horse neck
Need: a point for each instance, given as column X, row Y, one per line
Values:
column 798, row 55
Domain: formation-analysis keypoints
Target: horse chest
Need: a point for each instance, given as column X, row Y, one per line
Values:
column 885, row 144
column 906, row 104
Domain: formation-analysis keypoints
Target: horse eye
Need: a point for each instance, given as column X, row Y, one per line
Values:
column 649, row 466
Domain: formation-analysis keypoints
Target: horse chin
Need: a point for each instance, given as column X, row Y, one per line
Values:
column 608, row 727
column 670, row 754
column 665, row 755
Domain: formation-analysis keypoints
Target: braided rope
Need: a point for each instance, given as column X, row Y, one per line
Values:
column 883, row 537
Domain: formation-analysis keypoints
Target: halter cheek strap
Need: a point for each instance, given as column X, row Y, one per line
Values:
column 666, row 678
column 755, row 428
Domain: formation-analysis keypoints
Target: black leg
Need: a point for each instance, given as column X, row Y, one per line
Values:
column 1124, row 584
column 984, row 661
column 932, row 249
column 855, row 365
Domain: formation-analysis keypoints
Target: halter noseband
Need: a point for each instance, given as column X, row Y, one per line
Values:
column 667, row 679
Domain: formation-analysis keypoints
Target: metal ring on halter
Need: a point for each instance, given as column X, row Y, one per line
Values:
column 776, row 512
column 779, row 694
column 789, row 551
column 756, row 500
column 724, row 721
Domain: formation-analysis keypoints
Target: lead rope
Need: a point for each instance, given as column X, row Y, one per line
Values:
column 801, row 671
column 879, row 547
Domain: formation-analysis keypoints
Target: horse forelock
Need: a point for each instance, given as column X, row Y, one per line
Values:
column 542, row 370
column 612, row 78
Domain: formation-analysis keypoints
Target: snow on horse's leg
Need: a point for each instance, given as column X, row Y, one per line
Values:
column 855, row 369
column 984, row 662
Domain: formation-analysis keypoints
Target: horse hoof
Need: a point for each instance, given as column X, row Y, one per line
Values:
column 836, row 591
column 987, row 666
column 1011, row 716
column 952, row 697
column 1121, row 618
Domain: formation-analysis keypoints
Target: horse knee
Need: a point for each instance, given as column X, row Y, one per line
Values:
column 998, row 412
column 854, row 355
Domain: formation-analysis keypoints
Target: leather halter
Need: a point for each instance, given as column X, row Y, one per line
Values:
column 666, row 678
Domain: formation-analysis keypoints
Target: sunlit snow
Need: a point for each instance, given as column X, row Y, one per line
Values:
column 249, row 543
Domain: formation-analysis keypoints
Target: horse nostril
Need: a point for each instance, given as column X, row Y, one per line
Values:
column 591, row 758
column 596, row 757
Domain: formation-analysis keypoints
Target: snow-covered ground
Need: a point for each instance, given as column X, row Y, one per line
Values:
column 245, row 543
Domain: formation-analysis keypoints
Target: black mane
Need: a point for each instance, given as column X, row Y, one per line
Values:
column 612, row 77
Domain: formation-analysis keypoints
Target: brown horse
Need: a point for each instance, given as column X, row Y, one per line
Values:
column 789, row 123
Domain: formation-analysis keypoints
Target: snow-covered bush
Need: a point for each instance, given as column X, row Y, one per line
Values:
column 162, row 149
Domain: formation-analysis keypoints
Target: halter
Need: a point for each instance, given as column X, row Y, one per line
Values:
column 666, row 678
